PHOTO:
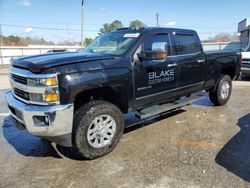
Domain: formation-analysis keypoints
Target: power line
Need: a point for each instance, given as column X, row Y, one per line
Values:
column 46, row 28
column 93, row 30
column 231, row 26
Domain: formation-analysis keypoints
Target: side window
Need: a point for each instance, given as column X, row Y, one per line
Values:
column 186, row 44
column 158, row 43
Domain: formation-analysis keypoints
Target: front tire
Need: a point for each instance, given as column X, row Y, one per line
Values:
column 98, row 126
column 222, row 92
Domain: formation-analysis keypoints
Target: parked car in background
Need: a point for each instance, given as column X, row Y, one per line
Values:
column 57, row 51
column 245, row 69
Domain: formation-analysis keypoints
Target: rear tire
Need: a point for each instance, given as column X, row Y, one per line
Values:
column 222, row 92
column 98, row 126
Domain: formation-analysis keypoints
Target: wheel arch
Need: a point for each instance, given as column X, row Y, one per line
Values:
column 116, row 95
column 228, row 70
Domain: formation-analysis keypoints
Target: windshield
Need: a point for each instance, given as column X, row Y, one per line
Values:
column 114, row 43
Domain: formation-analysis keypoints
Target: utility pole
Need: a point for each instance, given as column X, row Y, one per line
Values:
column 68, row 32
column 1, row 38
column 157, row 19
column 82, row 23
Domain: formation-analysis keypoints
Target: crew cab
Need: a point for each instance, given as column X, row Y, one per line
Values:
column 79, row 99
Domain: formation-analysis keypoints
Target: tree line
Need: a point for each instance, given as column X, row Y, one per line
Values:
column 23, row 41
column 107, row 27
column 224, row 37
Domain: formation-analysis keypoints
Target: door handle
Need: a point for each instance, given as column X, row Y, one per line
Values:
column 201, row 60
column 172, row 65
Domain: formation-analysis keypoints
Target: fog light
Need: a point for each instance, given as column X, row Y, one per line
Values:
column 41, row 121
column 51, row 97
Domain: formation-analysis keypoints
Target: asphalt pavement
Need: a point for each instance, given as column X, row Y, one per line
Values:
column 197, row 146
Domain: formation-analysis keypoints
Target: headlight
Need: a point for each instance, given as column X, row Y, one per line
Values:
column 49, row 89
column 42, row 81
column 50, row 81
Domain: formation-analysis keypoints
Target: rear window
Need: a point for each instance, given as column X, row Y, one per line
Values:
column 186, row 44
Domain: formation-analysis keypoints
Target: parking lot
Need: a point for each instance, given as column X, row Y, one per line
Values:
column 197, row 146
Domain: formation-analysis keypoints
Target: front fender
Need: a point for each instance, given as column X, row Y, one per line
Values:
column 73, row 84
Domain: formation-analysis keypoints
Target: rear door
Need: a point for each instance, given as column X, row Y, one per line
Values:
column 191, row 62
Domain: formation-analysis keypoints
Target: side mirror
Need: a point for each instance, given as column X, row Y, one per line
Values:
column 153, row 55
column 158, row 52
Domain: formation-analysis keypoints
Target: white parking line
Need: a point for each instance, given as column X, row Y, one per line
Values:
column 4, row 114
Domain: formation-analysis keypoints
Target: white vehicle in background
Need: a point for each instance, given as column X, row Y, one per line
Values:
column 245, row 69
column 244, row 30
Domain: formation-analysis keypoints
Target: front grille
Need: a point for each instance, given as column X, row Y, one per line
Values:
column 246, row 61
column 22, row 94
column 19, row 79
column 27, row 88
column 18, row 92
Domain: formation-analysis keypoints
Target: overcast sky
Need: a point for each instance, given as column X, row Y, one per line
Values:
column 40, row 17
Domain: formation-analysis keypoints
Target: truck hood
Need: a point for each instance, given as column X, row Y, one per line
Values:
column 39, row 63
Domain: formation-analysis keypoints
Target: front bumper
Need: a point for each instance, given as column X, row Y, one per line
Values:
column 51, row 122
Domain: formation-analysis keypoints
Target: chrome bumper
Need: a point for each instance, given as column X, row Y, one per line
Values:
column 51, row 122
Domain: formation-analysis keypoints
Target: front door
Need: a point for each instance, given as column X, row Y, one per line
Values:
column 155, row 80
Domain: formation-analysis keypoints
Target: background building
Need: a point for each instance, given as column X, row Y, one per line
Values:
column 244, row 30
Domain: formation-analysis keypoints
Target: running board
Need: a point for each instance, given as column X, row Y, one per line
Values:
column 159, row 109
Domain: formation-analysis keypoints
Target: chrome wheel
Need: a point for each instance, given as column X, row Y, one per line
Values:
column 225, row 89
column 101, row 131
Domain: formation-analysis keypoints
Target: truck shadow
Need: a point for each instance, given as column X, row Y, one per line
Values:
column 235, row 155
column 204, row 102
column 25, row 143
column 132, row 123
column 32, row 146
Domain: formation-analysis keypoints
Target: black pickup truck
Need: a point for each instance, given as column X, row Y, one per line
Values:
column 79, row 99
